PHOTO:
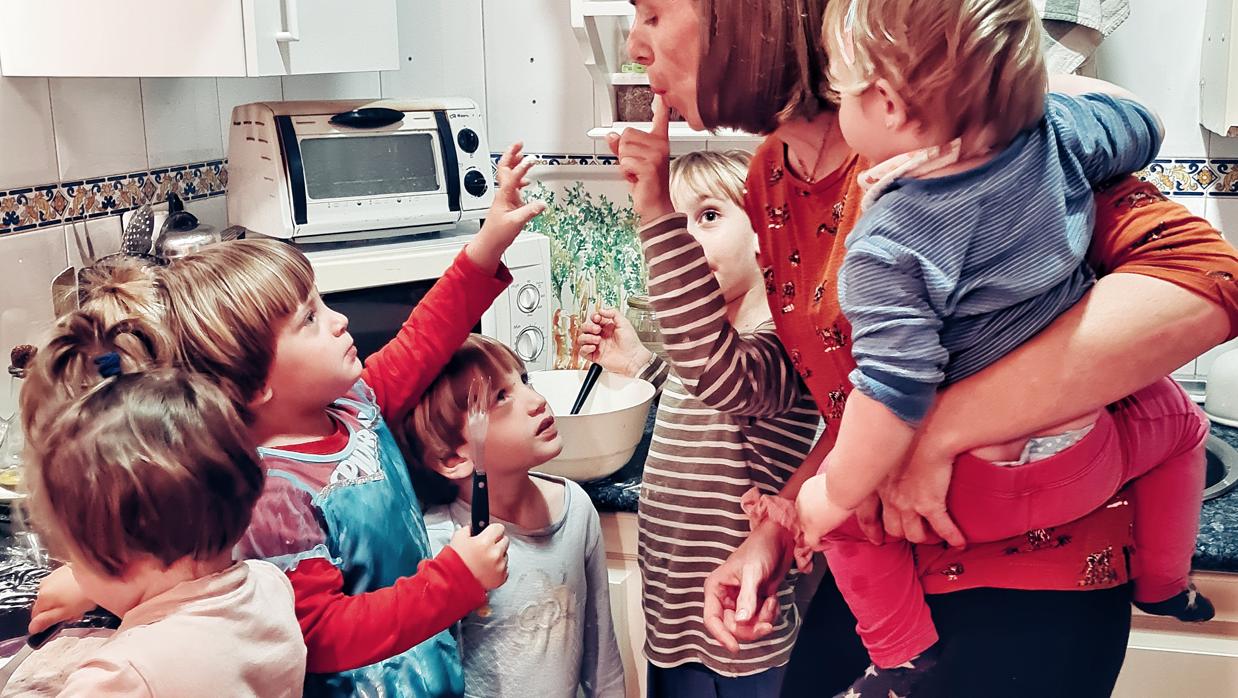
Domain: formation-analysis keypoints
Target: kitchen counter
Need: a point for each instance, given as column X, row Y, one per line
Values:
column 1216, row 548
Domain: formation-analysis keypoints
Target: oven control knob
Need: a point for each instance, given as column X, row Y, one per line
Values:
column 475, row 183
column 468, row 140
column 528, row 298
column 530, row 343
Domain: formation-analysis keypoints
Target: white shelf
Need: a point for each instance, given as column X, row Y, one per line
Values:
column 629, row 78
column 606, row 8
column 679, row 131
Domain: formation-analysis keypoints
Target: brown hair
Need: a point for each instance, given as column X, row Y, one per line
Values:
column 762, row 63
column 719, row 174
column 65, row 368
column 434, row 430
column 227, row 304
column 973, row 65
column 151, row 463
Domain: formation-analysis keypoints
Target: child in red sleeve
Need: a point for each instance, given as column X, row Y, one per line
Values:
column 338, row 513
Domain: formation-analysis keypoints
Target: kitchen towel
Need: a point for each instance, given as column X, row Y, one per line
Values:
column 1074, row 28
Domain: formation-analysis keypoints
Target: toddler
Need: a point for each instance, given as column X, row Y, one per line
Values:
column 145, row 482
column 547, row 632
column 976, row 223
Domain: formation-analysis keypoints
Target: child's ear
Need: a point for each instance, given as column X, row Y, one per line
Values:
column 262, row 398
column 894, row 109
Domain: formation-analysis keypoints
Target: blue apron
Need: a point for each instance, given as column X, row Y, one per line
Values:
column 375, row 534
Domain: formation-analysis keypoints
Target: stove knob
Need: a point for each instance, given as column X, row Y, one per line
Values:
column 528, row 298
column 475, row 183
column 468, row 140
column 530, row 343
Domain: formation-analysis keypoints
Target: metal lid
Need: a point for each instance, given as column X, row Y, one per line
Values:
column 640, row 303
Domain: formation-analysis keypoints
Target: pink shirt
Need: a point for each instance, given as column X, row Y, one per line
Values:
column 232, row 634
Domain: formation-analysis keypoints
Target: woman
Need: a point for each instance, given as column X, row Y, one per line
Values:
column 1057, row 599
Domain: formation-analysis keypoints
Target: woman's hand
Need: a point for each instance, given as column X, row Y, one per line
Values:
column 918, row 497
column 741, row 595
column 608, row 338
column 644, row 160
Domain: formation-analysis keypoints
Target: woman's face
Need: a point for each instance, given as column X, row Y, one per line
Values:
column 666, row 40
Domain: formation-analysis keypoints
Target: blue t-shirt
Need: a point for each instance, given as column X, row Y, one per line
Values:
column 943, row 276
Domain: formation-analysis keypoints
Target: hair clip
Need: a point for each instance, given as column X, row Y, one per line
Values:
column 109, row 364
column 845, row 35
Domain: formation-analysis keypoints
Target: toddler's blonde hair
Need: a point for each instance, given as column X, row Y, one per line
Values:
column 974, row 66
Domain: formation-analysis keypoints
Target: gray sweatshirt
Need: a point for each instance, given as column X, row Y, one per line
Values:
column 547, row 632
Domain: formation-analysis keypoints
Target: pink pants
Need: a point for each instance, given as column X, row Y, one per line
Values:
column 1154, row 438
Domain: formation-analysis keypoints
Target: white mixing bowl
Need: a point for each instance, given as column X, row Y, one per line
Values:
column 600, row 440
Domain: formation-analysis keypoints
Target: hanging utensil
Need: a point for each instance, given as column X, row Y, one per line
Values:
column 475, row 430
column 136, row 238
column 64, row 292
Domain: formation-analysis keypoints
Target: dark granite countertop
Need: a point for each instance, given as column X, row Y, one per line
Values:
column 1215, row 550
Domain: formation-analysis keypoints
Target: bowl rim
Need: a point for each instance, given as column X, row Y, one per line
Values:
column 653, row 391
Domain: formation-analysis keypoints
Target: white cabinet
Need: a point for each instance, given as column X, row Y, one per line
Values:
column 188, row 38
column 1218, row 69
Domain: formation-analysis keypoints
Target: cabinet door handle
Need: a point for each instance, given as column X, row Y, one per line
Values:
column 292, row 23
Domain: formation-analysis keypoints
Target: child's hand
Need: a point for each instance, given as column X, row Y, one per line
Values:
column 484, row 554
column 645, row 160
column 60, row 598
column 609, row 339
column 508, row 214
column 818, row 515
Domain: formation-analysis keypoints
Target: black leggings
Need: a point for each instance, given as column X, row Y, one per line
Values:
column 995, row 642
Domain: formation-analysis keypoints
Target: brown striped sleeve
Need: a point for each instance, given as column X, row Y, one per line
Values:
column 715, row 362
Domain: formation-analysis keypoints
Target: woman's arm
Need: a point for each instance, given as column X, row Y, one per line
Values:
column 1168, row 295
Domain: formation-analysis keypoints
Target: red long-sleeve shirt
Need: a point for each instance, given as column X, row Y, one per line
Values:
column 347, row 631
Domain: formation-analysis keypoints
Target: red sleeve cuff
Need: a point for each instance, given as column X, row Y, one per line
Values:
column 502, row 276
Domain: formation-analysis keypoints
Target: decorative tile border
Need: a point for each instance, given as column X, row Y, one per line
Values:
column 54, row 204
column 1193, row 177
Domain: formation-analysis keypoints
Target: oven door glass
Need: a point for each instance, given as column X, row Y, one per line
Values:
column 376, row 314
column 343, row 167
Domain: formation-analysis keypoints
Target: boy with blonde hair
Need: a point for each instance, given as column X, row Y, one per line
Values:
column 145, row 482
column 976, row 221
column 733, row 416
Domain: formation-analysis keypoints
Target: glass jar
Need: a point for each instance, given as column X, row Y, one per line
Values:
column 640, row 314
column 12, row 444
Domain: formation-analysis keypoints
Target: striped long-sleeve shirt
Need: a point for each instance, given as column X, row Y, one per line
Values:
column 733, row 415
column 945, row 275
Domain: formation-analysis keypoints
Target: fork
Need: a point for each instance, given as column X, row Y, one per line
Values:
column 475, row 432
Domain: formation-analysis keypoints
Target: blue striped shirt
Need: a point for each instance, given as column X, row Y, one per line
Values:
column 943, row 276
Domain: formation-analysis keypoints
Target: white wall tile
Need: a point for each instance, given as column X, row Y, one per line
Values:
column 332, row 86
column 537, row 89
column 211, row 211
column 1195, row 204
column 98, row 125
column 441, row 51
column 28, row 263
column 182, row 120
column 1155, row 54
column 86, row 241
column 234, row 91
column 29, row 147
column 1222, row 212
column 1221, row 147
